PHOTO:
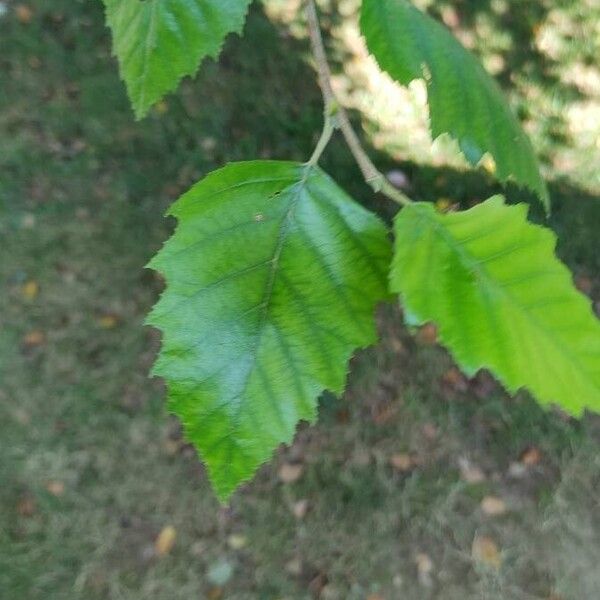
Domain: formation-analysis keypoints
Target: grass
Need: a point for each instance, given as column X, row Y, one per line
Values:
column 92, row 468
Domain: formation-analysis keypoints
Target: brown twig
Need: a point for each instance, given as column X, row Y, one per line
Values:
column 333, row 110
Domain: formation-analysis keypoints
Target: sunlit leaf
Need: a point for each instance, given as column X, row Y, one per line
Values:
column 464, row 100
column 501, row 299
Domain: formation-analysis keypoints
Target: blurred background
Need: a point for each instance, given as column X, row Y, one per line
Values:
column 418, row 483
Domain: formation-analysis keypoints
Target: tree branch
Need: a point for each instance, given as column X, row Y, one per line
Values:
column 333, row 109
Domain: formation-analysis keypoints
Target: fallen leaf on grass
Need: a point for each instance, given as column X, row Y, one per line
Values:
column 402, row 462
column 30, row 290
column 108, row 321
column 485, row 551
column 290, row 473
column 33, row 339
column 469, row 472
column 531, row 456
column 56, row 488
column 493, row 506
column 24, row 13
column 165, row 541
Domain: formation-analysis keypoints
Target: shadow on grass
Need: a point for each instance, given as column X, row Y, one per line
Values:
column 83, row 190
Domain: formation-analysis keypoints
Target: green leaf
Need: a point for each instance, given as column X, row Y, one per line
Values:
column 501, row 298
column 158, row 42
column 464, row 100
column 272, row 275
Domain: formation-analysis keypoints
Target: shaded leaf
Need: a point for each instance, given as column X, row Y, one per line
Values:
column 158, row 42
column 501, row 299
column 272, row 277
column 464, row 100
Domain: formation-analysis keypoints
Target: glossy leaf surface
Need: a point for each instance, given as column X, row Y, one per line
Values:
column 272, row 278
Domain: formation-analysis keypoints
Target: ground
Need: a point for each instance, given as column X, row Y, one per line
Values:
column 417, row 484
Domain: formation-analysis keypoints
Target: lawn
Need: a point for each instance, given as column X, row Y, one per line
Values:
column 417, row 483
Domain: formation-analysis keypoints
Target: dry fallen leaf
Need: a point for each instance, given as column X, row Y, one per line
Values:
column 24, row 13
column 165, row 541
column 485, row 551
column 108, row 321
column 469, row 472
column 402, row 462
column 493, row 506
column 34, row 338
column 531, row 456
column 290, row 473
column 56, row 488
column 30, row 290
